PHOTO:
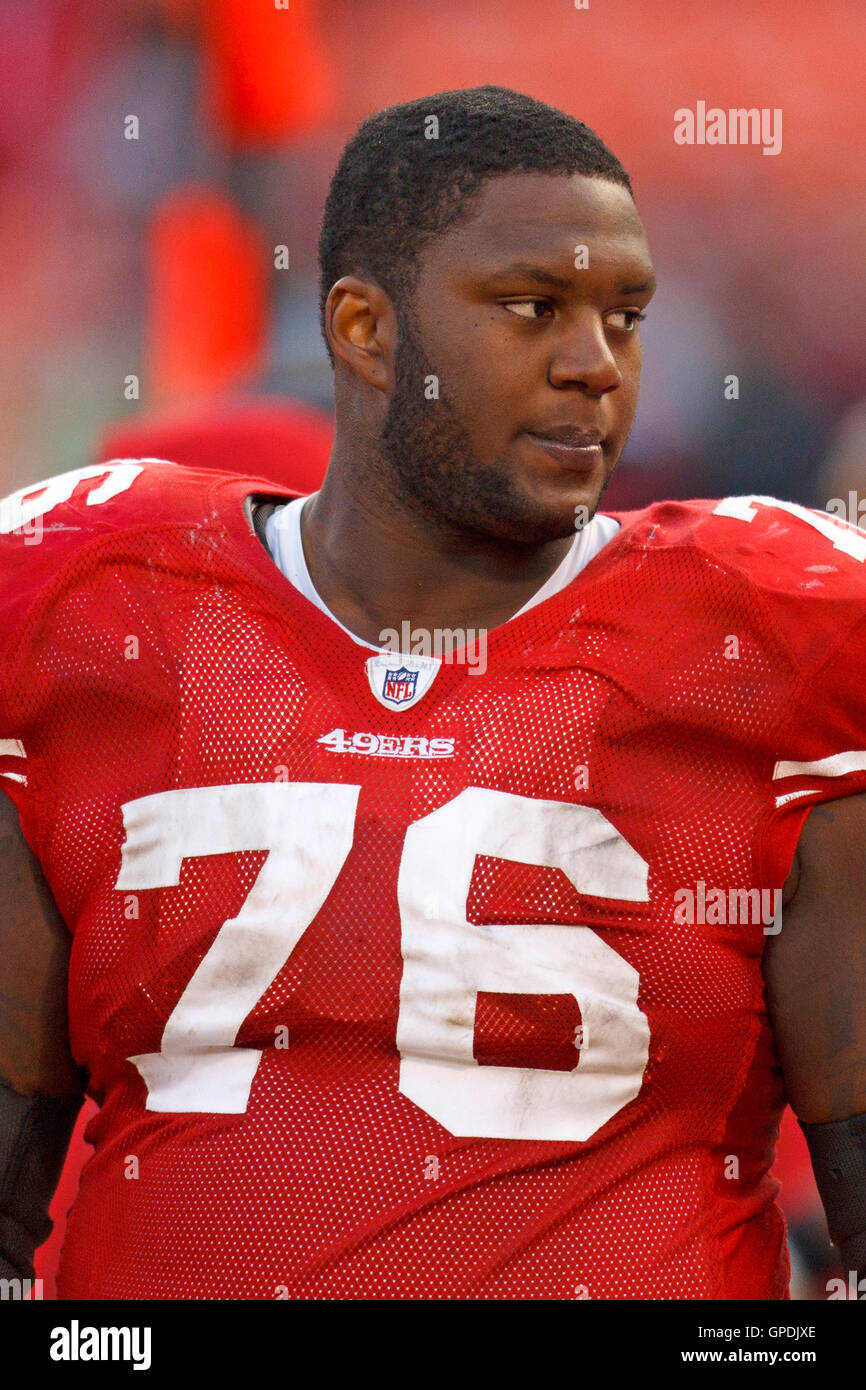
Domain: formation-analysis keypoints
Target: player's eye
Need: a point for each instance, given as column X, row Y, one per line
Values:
column 631, row 318
column 529, row 308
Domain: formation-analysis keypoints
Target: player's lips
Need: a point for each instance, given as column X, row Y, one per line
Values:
column 567, row 444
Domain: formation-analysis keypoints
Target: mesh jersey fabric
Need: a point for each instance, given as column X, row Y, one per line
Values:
column 283, row 533
column 384, row 1003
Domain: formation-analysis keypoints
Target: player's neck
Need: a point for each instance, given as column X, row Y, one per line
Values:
column 374, row 563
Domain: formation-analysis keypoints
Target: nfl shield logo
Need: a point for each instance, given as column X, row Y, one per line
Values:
column 399, row 680
column 398, row 686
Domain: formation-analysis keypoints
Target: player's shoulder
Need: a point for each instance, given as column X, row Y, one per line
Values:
column 780, row 548
column 102, row 497
column 54, row 534
column 45, row 523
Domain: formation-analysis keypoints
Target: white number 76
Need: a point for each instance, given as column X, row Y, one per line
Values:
column 308, row 830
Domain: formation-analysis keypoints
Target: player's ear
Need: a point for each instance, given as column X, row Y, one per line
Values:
column 362, row 329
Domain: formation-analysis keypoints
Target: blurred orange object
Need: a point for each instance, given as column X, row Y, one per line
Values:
column 267, row 76
column 206, row 321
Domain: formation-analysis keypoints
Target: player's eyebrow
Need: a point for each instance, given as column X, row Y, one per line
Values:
column 645, row 287
column 524, row 270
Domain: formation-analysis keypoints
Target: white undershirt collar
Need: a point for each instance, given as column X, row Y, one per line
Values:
column 283, row 532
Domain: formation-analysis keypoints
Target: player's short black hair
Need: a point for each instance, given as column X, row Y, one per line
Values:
column 395, row 187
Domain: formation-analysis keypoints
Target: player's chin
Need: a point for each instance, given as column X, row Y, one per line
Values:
column 567, row 499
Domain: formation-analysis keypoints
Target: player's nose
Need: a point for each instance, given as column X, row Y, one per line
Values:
column 584, row 357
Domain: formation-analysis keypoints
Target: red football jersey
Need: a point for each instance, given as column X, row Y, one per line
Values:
column 456, row 997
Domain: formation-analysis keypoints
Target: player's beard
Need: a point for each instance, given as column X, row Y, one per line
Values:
column 433, row 466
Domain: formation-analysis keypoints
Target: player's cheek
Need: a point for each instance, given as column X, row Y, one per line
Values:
column 629, row 364
column 493, row 381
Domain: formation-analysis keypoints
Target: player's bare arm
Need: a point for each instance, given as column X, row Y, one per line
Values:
column 815, row 970
column 34, row 963
column 40, row 1085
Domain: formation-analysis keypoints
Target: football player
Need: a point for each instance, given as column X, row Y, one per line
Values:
column 460, row 879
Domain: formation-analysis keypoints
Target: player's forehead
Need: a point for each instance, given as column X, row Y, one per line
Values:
column 526, row 218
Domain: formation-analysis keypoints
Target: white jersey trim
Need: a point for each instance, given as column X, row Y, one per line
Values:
column 837, row 765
